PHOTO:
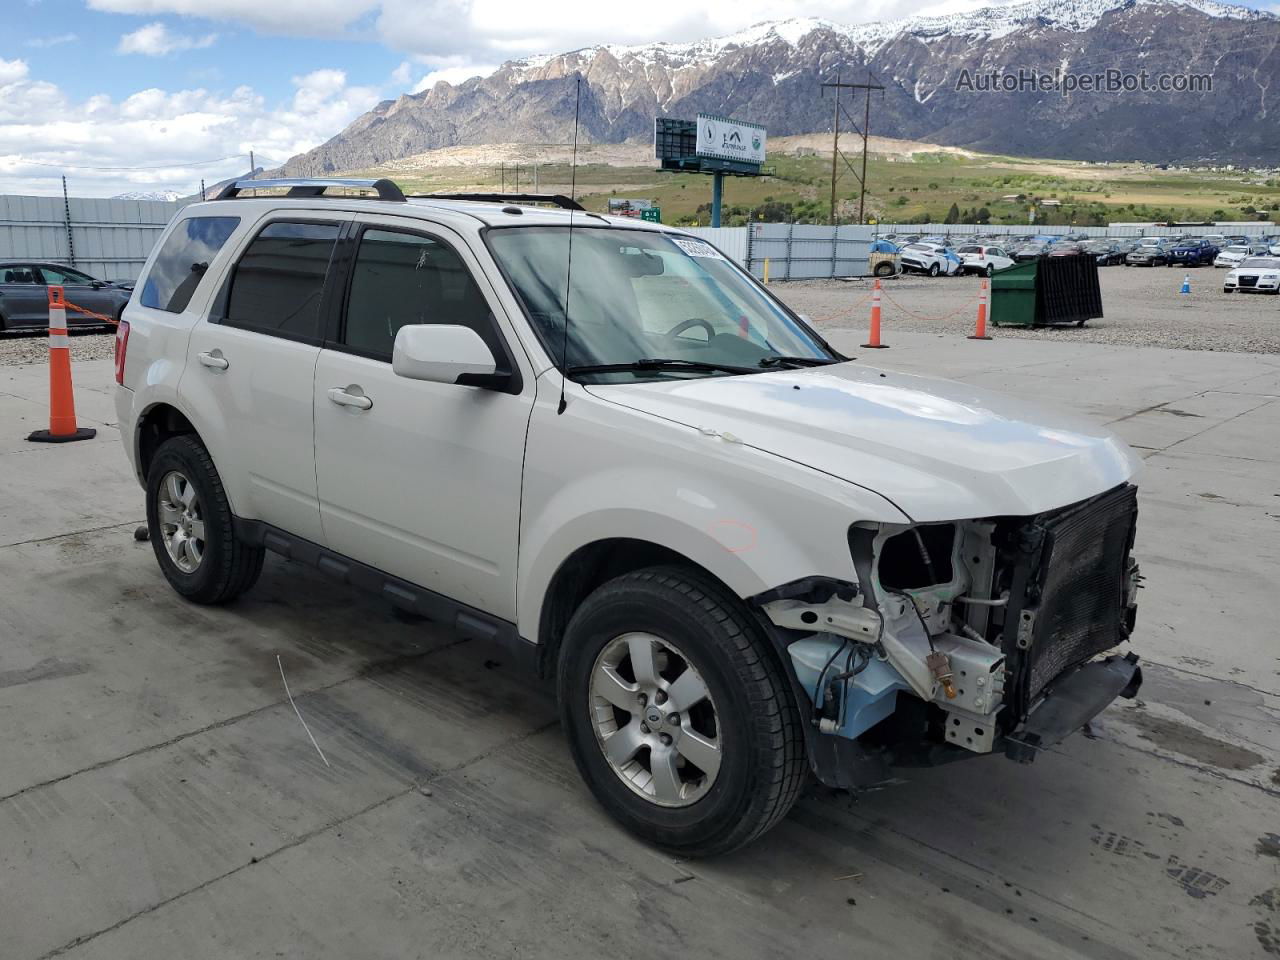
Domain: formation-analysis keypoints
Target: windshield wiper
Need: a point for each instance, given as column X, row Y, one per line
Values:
column 796, row 361
column 654, row 363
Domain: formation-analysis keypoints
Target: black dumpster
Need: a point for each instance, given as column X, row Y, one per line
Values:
column 1052, row 290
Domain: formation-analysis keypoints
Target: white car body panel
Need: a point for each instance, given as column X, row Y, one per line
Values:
column 1264, row 279
column 971, row 453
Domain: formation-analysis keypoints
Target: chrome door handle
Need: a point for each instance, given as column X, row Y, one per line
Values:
column 343, row 398
column 214, row 360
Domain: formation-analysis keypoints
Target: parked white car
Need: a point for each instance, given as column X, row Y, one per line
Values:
column 930, row 258
column 744, row 558
column 978, row 258
column 1255, row 275
column 1233, row 256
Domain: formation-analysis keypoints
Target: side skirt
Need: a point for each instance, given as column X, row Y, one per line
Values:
column 466, row 620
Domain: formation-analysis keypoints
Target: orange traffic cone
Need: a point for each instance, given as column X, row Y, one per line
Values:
column 981, row 332
column 874, row 340
column 62, row 403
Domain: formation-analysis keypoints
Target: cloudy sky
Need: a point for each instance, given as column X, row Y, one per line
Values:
column 96, row 89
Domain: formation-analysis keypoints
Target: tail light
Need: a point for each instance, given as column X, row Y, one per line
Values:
column 122, row 344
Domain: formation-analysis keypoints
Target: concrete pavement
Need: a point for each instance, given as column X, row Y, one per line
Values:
column 159, row 798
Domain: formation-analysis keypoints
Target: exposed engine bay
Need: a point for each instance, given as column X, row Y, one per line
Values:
column 977, row 623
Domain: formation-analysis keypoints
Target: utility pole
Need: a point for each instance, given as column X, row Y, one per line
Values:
column 836, row 155
column 252, row 167
column 202, row 196
column 66, row 211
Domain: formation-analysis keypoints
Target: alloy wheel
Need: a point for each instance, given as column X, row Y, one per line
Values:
column 181, row 521
column 655, row 720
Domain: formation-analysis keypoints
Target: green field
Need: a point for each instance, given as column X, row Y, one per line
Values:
column 920, row 188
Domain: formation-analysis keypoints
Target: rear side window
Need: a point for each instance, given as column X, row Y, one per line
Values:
column 277, row 284
column 404, row 278
column 182, row 261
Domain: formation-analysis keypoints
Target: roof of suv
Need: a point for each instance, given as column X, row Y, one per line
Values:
column 489, row 209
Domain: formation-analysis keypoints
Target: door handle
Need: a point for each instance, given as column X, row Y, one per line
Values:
column 213, row 360
column 344, row 398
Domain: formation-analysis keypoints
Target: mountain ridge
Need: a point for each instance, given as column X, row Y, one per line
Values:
column 771, row 73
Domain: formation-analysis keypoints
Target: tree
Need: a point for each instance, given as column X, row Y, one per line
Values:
column 953, row 215
column 982, row 216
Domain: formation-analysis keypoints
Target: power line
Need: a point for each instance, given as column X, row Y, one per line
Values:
column 161, row 166
column 836, row 153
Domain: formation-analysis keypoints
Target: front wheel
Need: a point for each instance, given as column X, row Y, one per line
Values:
column 934, row 269
column 191, row 524
column 678, row 716
column 991, row 269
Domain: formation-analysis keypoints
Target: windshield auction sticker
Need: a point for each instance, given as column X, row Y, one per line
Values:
column 697, row 248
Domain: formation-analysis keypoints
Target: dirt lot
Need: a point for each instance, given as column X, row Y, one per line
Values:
column 1142, row 305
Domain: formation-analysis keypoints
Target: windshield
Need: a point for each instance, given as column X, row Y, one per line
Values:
column 643, row 296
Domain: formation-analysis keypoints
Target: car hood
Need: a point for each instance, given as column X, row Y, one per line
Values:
column 937, row 449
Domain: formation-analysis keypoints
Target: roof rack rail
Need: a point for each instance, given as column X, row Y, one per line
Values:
column 307, row 187
column 558, row 199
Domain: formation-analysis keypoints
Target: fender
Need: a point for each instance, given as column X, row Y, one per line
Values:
column 751, row 519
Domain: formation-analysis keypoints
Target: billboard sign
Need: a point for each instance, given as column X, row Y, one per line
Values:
column 727, row 139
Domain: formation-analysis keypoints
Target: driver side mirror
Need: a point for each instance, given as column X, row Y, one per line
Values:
column 446, row 353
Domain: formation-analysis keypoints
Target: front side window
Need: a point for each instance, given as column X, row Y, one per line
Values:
column 63, row 276
column 277, row 284
column 403, row 278
column 640, row 296
column 182, row 261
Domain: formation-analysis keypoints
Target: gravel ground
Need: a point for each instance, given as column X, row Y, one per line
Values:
column 19, row 348
column 1142, row 304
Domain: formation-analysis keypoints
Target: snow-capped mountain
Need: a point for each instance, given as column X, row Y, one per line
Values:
column 770, row 73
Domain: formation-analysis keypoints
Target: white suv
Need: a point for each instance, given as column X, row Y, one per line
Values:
column 598, row 442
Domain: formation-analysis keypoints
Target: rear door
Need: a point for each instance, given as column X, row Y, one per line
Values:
column 24, row 301
column 425, row 483
column 251, row 364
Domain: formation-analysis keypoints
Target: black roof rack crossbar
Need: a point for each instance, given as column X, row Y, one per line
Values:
column 307, row 187
column 558, row 199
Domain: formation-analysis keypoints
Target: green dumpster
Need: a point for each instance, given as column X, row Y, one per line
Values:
column 1048, row 291
column 1013, row 295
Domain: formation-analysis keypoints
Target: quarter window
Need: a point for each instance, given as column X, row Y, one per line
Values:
column 182, row 261
column 278, row 283
column 403, row 278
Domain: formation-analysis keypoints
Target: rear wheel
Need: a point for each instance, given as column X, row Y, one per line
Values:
column 934, row 269
column 192, row 527
column 991, row 268
column 678, row 717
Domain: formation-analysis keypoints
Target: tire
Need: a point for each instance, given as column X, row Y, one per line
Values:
column 884, row 270
column 686, row 621
column 991, row 269
column 934, row 270
column 218, row 567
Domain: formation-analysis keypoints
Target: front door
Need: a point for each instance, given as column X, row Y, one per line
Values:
column 425, row 482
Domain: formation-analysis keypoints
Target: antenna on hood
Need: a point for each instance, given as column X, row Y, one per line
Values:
column 568, row 273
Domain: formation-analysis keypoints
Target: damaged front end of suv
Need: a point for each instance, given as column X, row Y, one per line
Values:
column 963, row 638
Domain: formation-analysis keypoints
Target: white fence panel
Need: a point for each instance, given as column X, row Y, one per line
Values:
column 110, row 239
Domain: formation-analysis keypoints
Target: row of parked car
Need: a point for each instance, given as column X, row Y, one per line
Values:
column 941, row 256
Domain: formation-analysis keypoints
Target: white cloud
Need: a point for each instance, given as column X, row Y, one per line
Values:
column 44, row 134
column 12, row 71
column 488, row 31
column 157, row 40
column 51, row 41
column 403, row 74
column 454, row 75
